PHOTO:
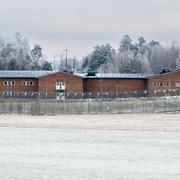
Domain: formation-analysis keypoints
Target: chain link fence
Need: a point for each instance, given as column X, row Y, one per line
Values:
column 86, row 95
column 41, row 106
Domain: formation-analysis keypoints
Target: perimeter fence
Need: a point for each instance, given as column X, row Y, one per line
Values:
column 87, row 95
column 42, row 106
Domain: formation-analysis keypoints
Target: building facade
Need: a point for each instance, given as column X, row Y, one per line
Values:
column 58, row 83
column 163, row 83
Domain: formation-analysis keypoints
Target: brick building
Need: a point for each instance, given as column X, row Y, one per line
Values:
column 49, row 82
column 166, row 82
column 60, row 81
column 115, row 83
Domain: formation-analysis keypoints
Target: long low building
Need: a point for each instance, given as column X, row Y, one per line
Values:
column 51, row 82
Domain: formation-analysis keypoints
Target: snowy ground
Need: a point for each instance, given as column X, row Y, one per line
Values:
column 88, row 147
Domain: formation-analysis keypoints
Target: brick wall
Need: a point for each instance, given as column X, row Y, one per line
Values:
column 114, row 85
column 18, row 85
column 48, row 83
column 164, row 82
column 78, row 84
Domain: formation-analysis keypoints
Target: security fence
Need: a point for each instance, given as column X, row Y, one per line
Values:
column 88, row 95
column 41, row 106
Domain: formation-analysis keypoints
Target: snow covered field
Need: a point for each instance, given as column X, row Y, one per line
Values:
column 88, row 147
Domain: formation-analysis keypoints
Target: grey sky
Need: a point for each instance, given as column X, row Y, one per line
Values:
column 81, row 24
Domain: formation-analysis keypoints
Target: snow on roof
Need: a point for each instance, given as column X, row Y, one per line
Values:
column 23, row 74
column 118, row 75
column 37, row 74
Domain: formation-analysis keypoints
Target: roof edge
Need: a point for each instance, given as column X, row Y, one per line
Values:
column 60, row 72
column 159, row 75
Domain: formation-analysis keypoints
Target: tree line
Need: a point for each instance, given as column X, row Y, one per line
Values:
column 131, row 57
column 138, row 57
column 15, row 54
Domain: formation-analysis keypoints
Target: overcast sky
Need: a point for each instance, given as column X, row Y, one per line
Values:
column 79, row 25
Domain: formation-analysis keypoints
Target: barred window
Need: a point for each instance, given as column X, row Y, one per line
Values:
column 25, row 83
column 13, row 93
column 5, row 93
column 31, row 83
column 154, row 84
column 6, row 83
column 165, row 84
column 13, row 83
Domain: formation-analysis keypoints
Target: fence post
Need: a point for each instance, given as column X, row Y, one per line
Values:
column 165, row 104
column 38, row 105
column 132, row 104
column 3, row 105
column 88, row 105
column 144, row 104
column 176, row 103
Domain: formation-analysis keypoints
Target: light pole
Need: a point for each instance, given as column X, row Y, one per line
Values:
column 62, row 62
column 117, row 91
column 74, row 63
column 66, row 53
column 54, row 62
column 55, row 56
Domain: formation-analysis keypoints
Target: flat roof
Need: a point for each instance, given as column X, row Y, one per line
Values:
column 117, row 75
column 164, row 74
column 37, row 74
column 24, row 74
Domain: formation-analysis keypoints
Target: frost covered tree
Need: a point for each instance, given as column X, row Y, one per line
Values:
column 23, row 53
column 101, row 55
column 47, row 66
column 39, row 60
column 125, row 44
column 36, row 54
column 14, row 53
column 160, row 57
column 85, row 62
column 141, row 56
column 133, row 57
column 174, row 56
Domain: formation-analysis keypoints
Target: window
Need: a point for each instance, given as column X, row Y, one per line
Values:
column 161, row 84
column 178, row 84
column 5, row 83
column 60, row 85
column 28, row 83
column 165, row 84
column 5, row 93
column 13, row 83
column 154, row 84
column 12, row 93
column 31, row 83
column 24, row 83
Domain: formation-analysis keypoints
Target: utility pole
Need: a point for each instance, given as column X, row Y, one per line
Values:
column 55, row 62
column 55, row 58
column 74, row 63
column 62, row 61
column 66, row 54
